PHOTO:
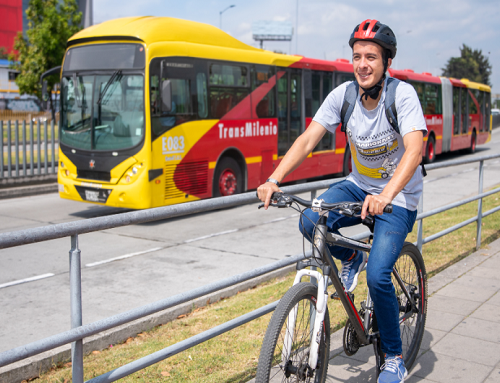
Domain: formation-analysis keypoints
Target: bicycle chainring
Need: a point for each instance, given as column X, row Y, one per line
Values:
column 351, row 342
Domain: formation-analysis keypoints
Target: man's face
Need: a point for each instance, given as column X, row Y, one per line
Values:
column 368, row 63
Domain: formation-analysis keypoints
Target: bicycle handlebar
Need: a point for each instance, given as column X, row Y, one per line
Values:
column 349, row 209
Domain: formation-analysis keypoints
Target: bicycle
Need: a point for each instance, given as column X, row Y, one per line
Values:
column 297, row 341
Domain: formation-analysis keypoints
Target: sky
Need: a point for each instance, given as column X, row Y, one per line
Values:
column 428, row 32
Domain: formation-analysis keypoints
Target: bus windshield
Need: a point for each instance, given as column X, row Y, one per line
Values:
column 102, row 97
column 103, row 112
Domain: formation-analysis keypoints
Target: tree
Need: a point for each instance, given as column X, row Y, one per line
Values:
column 50, row 24
column 3, row 53
column 471, row 64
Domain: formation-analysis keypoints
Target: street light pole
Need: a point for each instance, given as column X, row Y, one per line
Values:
column 220, row 14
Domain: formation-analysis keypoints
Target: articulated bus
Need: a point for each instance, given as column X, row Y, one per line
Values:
column 457, row 112
column 158, row 111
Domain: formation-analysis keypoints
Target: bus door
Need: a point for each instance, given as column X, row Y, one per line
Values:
column 459, row 107
column 290, row 114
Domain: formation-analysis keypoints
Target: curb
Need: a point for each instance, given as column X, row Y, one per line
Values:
column 32, row 367
column 25, row 191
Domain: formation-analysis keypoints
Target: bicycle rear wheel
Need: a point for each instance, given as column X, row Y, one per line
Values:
column 411, row 268
column 273, row 365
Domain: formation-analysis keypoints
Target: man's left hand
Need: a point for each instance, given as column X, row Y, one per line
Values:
column 374, row 204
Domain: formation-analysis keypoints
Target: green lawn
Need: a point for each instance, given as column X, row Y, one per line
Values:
column 232, row 357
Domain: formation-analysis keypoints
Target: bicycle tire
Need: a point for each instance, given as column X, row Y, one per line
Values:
column 411, row 268
column 270, row 367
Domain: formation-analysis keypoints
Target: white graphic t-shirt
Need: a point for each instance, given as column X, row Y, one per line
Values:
column 376, row 148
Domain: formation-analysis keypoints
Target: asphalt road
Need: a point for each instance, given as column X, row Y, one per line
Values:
column 130, row 266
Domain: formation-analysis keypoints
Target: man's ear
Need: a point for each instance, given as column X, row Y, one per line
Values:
column 389, row 63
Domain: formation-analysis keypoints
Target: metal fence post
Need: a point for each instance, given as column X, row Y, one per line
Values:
column 24, row 148
column 46, row 142
column 1, row 149
column 9, row 151
column 480, row 206
column 53, row 147
column 38, row 148
column 75, row 282
column 32, row 159
column 16, row 142
column 420, row 230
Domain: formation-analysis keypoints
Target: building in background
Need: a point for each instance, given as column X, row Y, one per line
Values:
column 13, row 20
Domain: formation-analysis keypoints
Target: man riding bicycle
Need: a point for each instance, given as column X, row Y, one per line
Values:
column 386, row 159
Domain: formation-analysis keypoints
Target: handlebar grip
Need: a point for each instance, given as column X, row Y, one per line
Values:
column 388, row 209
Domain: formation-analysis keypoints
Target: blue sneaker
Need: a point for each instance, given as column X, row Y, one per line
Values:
column 393, row 370
column 351, row 269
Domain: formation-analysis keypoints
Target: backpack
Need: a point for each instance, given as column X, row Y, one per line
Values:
column 351, row 95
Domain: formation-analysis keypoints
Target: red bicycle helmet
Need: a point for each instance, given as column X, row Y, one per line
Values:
column 373, row 30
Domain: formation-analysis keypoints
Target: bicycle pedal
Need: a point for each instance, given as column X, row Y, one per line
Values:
column 335, row 296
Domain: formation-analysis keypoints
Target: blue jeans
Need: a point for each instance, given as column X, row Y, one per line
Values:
column 388, row 239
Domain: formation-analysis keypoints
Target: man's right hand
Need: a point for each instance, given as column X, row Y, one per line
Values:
column 265, row 191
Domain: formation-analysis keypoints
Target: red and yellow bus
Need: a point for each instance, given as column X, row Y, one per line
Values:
column 457, row 112
column 158, row 111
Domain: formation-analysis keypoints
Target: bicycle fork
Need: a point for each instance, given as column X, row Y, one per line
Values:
column 317, row 330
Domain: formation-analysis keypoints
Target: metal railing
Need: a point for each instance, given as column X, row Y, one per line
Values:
column 74, row 229
column 28, row 149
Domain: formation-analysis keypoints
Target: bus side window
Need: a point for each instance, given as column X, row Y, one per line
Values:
column 431, row 99
column 229, row 85
column 419, row 88
column 263, row 105
column 316, row 94
column 480, row 102
column 201, row 93
column 456, row 110
column 472, row 101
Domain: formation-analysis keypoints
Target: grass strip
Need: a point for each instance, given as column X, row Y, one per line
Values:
column 232, row 357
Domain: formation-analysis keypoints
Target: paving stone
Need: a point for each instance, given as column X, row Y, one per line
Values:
column 493, row 262
column 478, row 328
column 478, row 282
column 484, row 272
column 416, row 379
column 347, row 370
column 494, row 376
column 443, row 321
column 430, row 338
column 494, row 300
column 443, row 369
column 452, row 305
column 487, row 312
column 470, row 349
column 459, row 290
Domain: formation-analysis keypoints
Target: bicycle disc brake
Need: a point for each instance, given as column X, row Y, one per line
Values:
column 351, row 342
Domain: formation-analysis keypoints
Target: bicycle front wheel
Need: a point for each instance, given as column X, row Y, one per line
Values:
column 284, row 356
column 411, row 269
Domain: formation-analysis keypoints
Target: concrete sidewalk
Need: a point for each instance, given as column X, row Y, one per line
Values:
column 462, row 337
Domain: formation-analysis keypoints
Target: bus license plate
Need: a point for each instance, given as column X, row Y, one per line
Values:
column 91, row 195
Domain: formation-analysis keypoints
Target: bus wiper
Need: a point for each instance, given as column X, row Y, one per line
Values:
column 75, row 87
column 106, row 87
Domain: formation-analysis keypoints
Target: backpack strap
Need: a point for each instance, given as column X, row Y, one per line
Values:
column 351, row 94
column 390, row 103
column 391, row 112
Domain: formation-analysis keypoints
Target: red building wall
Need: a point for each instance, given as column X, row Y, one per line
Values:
column 11, row 22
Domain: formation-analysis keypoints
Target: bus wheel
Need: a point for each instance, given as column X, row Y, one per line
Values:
column 227, row 179
column 430, row 151
column 473, row 140
column 347, row 162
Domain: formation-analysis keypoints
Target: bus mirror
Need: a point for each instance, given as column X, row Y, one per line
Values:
column 166, row 96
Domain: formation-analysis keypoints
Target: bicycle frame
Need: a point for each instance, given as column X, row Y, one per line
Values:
column 361, row 327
